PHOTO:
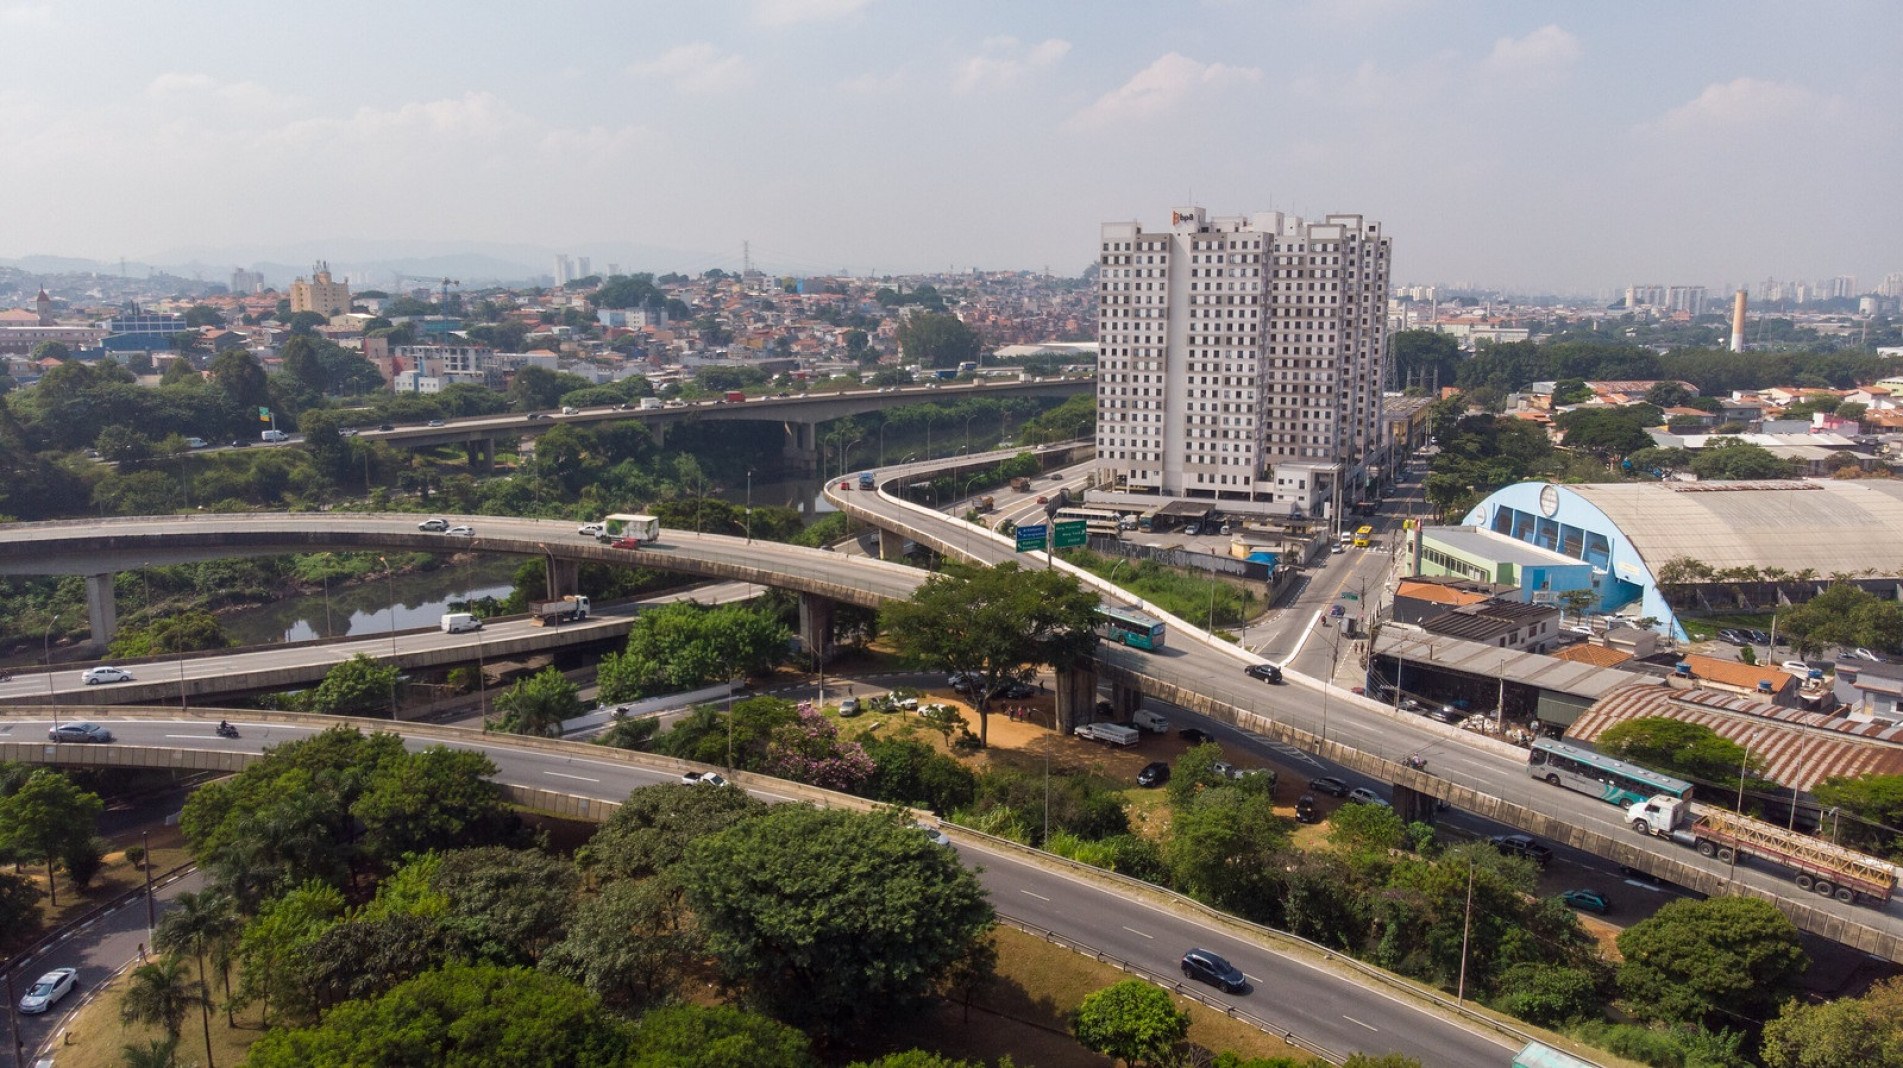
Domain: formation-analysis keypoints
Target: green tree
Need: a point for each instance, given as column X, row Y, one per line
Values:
column 791, row 910
column 1677, row 747
column 1223, row 848
column 275, row 949
column 1194, row 772
column 1732, row 459
column 459, row 1016
column 45, row 817
column 159, row 993
column 1668, row 394
column 1570, row 391
column 1845, row 615
column 431, row 799
column 188, row 631
column 1425, row 358
column 654, row 827
column 156, row 1053
column 365, row 957
column 684, row 646
column 1845, row 1033
column 1367, row 829
column 630, row 944
column 1875, row 802
column 504, row 906
column 911, row 772
column 938, row 340
column 1606, row 433
column 1713, row 962
column 537, row 705
column 51, row 350
column 1549, row 995
column 357, row 686
column 203, row 925
column 19, row 907
column 717, row 1036
column 1132, row 1021
column 994, row 624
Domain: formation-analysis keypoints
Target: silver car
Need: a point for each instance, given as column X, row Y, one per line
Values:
column 46, row 993
column 79, row 732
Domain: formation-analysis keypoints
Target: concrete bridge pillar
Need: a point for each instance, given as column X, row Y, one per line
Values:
column 1076, row 698
column 1125, row 699
column 891, row 545
column 480, row 454
column 101, row 609
column 1414, row 806
column 563, row 576
column 657, row 430
column 802, row 446
column 816, row 625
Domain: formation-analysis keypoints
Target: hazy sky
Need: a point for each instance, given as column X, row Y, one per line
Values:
column 1514, row 143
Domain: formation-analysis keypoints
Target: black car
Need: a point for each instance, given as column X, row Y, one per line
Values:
column 1759, row 636
column 1305, row 810
column 1734, row 636
column 535, row 415
column 386, row 426
column 1015, row 691
column 1265, row 672
column 1195, row 735
column 1206, row 967
column 1155, row 773
column 1523, row 845
column 1328, row 784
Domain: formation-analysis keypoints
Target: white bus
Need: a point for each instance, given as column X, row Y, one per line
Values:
column 1097, row 521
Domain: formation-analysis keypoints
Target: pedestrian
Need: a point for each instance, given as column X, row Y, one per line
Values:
column 141, row 952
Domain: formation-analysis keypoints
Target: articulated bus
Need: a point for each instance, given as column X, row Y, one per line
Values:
column 1098, row 522
column 1612, row 781
column 1126, row 626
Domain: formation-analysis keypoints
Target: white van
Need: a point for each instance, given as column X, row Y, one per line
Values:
column 649, row 404
column 457, row 622
column 1146, row 719
column 275, row 437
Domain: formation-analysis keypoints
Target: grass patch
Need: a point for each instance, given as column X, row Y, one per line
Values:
column 97, row 1038
column 1026, row 1013
column 1704, row 628
column 115, row 878
column 1177, row 592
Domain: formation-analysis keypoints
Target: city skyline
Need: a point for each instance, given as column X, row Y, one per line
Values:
column 1529, row 146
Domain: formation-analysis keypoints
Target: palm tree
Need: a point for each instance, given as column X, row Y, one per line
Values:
column 160, row 993
column 154, row 1054
column 200, row 924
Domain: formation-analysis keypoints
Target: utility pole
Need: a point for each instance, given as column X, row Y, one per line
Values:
column 1466, row 928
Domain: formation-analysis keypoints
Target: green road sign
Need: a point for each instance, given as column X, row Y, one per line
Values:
column 1070, row 534
column 1031, row 537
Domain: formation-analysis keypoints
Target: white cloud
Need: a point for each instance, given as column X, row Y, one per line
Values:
column 789, row 12
column 1545, row 53
column 697, row 68
column 470, row 118
column 244, row 96
column 870, row 84
column 1744, row 102
column 1161, row 87
column 1001, row 61
column 26, row 16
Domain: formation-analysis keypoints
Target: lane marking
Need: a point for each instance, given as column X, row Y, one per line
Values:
column 1352, row 1020
column 1251, row 978
column 1134, row 931
column 198, row 737
column 1040, row 897
column 565, row 775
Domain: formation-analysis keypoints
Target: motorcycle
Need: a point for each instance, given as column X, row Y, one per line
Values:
column 6, row 676
column 1418, row 763
column 226, row 730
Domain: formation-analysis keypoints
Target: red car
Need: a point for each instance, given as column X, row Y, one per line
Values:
column 625, row 543
column 845, row 485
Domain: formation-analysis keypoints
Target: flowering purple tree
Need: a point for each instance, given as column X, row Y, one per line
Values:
column 809, row 751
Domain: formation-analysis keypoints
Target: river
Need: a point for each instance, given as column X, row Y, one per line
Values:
column 420, row 600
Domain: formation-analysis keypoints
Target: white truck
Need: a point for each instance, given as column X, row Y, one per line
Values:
column 649, row 404
column 567, row 609
column 458, row 622
column 1821, row 867
column 1109, row 733
column 1145, row 719
column 625, row 531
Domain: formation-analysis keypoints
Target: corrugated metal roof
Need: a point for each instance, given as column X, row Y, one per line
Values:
column 1826, row 526
column 1798, row 748
column 1489, row 661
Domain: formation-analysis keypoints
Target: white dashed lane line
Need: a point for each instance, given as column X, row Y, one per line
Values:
column 1359, row 1023
column 1040, row 897
column 565, row 775
column 1140, row 934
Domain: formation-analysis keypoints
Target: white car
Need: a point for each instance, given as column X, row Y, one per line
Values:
column 46, row 993
column 937, row 836
column 589, row 530
column 460, row 530
column 1797, row 667
column 433, row 524
column 704, row 778
column 94, row 675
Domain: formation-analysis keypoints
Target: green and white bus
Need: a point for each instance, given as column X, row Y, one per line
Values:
column 1612, row 781
column 1126, row 626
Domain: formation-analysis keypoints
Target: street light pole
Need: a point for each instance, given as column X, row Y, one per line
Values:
column 749, row 506
column 390, row 581
column 46, row 650
column 1744, row 764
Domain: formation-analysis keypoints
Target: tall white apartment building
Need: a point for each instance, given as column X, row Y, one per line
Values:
column 1241, row 358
